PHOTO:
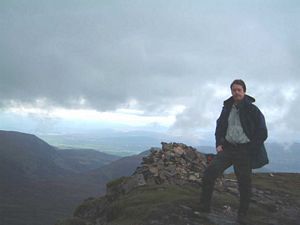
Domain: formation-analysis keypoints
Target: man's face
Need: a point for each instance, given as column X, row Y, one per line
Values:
column 237, row 92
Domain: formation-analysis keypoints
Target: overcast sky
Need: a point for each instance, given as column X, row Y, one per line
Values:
column 148, row 63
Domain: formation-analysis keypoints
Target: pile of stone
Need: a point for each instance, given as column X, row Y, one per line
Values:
column 176, row 163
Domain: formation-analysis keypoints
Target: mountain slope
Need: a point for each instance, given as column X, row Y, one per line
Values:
column 121, row 167
column 83, row 160
column 40, row 183
column 174, row 204
column 165, row 190
column 30, row 156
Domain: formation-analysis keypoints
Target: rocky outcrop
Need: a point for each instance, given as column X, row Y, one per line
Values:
column 174, row 164
column 165, row 189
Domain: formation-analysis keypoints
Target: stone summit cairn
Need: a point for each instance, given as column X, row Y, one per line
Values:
column 175, row 163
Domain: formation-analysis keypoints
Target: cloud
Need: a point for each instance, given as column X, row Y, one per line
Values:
column 104, row 55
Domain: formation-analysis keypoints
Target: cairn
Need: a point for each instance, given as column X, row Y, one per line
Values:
column 175, row 163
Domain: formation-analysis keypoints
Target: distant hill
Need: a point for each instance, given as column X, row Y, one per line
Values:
column 40, row 183
column 283, row 156
column 121, row 167
column 83, row 160
column 26, row 156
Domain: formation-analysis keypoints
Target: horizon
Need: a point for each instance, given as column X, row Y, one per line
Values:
column 283, row 157
column 94, row 140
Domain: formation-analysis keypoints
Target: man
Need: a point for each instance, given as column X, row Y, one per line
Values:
column 240, row 134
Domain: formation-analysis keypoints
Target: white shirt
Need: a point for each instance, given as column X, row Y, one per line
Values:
column 235, row 133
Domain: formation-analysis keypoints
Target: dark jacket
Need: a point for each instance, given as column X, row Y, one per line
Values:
column 253, row 124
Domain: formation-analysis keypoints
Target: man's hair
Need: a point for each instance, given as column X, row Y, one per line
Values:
column 239, row 82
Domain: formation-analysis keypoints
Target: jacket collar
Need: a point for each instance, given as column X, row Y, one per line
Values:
column 247, row 99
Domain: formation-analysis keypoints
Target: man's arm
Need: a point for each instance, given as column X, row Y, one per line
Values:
column 220, row 129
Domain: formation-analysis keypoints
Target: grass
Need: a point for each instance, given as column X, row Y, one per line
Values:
column 142, row 201
column 155, row 202
column 288, row 182
column 116, row 182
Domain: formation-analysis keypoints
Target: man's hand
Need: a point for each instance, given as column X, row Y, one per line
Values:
column 219, row 148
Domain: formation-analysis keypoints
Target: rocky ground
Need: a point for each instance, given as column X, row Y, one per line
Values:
column 165, row 190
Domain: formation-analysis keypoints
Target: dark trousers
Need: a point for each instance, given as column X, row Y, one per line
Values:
column 238, row 156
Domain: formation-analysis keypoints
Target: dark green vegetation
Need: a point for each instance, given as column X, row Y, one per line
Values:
column 178, row 205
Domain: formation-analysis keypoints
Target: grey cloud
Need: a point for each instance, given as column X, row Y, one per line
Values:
column 158, row 53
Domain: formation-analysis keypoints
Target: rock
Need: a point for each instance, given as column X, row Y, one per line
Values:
column 227, row 209
column 192, row 178
column 154, row 170
column 197, row 213
column 233, row 190
column 178, row 151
